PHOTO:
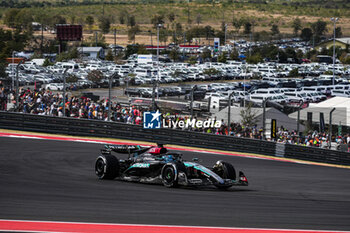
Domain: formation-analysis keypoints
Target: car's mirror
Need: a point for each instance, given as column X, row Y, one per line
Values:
column 195, row 159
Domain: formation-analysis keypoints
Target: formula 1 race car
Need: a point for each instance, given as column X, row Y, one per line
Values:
column 156, row 165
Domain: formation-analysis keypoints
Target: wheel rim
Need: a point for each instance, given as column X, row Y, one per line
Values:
column 169, row 175
column 99, row 167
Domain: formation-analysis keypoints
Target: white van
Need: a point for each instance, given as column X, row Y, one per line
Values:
column 297, row 97
column 340, row 93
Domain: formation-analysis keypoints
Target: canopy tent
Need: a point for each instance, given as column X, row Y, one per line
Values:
column 340, row 115
column 271, row 113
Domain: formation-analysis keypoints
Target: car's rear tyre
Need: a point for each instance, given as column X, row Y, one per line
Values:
column 169, row 176
column 107, row 167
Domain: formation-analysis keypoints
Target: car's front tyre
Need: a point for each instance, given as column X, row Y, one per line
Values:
column 226, row 171
column 107, row 167
column 169, row 176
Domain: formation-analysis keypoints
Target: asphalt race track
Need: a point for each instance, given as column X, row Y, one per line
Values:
column 55, row 181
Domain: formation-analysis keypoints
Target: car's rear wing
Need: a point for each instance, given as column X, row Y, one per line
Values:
column 124, row 149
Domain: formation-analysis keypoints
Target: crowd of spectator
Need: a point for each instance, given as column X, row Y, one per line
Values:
column 47, row 103
column 51, row 104
column 312, row 138
column 3, row 97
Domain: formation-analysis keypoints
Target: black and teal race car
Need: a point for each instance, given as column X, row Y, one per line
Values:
column 156, row 165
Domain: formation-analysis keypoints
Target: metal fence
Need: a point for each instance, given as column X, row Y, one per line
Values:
column 84, row 127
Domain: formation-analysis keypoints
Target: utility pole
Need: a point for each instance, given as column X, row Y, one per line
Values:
column 17, row 86
column 115, row 42
column 42, row 38
column 183, row 49
column 330, row 128
column 64, row 92
column 298, row 119
column 225, row 33
column 151, row 38
column 192, row 98
column 109, row 96
column 334, row 20
column 110, row 82
column 244, row 92
column 264, row 117
column 250, row 43
column 229, row 111
column 158, row 27
column 12, row 71
column 96, row 38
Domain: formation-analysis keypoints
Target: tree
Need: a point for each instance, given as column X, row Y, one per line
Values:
column 131, row 21
column 47, row 63
column 199, row 19
column 71, row 78
column 294, row 72
column 157, row 19
column 247, row 27
column 10, row 17
column 255, row 58
column 177, row 32
column 24, row 20
column 248, row 116
column 192, row 60
column 104, row 24
column 89, row 21
column 52, row 20
column 209, row 32
column 234, row 54
column 223, row 26
column 171, row 17
column 3, row 74
column 131, row 49
column 296, row 26
column 178, row 27
column 189, row 20
column 344, row 58
column 132, row 32
column 319, row 28
column 211, row 71
column 72, row 19
column 220, row 34
column 222, row 57
column 275, row 30
column 91, row 40
column 122, row 19
column 306, row 34
column 174, row 54
column 163, row 35
column 206, row 54
column 338, row 32
column 95, row 76
column 11, row 41
column 237, row 23
column 71, row 54
column 109, row 56
column 262, row 36
column 142, row 49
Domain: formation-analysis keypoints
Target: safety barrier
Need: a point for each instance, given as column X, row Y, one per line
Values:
column 84, row 127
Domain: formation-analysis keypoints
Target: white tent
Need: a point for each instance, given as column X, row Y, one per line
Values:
column 340, row 116
column 271, row 113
